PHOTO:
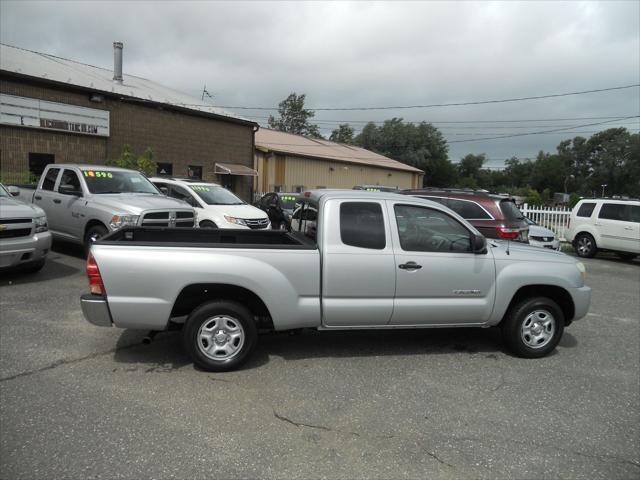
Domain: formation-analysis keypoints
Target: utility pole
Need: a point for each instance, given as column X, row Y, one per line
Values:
column 603, row 186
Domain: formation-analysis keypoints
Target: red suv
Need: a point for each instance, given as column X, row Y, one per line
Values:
column 495, row 216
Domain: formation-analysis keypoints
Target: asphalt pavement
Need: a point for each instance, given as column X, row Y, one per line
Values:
column 78, row 401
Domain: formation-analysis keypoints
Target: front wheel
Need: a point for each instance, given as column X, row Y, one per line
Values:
column 93, row 235
column 533, row 327
column 220, row 335
column 585, row 245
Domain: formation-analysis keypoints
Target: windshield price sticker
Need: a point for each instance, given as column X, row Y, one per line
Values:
column 200, row 188
column 97, row 174
column 373, row 189
column 288, row 197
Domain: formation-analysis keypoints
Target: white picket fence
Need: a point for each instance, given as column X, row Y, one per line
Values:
column 553, row 218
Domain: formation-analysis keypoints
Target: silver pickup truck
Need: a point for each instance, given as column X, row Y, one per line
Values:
column 379, row 261
column 85, row 202
column 25, row 239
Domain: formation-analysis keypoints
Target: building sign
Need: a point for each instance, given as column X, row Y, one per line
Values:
column 34, row 113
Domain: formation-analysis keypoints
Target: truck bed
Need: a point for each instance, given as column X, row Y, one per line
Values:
column 208, row 238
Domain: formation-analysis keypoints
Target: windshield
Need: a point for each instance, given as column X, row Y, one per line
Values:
column 288, row 201
column 216, row 195
column 3, row 191
column 510, row 211
column 101, row 181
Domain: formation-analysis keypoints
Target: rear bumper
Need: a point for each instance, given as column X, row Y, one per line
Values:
column 24, row 250
column 96, row 310
column 581, row 301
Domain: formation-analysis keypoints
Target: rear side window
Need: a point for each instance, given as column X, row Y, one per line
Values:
column 362, row 225
column 510, row 211
column 50, row 179
column 613, row 211
column 469, row 210
column 586, row 209
column 635, row 213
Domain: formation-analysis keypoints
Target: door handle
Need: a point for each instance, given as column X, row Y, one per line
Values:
column 410, row 266
column 38, row 197
column 628, row 228
column 57, row 200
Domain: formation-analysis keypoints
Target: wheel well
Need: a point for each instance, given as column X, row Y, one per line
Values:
column 194, row 295
column 557, row 294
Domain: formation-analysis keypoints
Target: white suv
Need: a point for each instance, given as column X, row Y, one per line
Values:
column 600, row 224
column 215, row 206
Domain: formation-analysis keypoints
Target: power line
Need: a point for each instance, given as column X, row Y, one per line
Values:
column 432, row 105
column 542, row 132
column 438, row 122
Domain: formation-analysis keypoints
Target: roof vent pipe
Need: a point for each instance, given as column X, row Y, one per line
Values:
column 117, row 61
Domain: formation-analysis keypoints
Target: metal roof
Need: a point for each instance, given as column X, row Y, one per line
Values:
column 275, row 141
column 47, row 67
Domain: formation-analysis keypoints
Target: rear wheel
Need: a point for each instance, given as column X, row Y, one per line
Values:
column 585, row 245
column 533, row 327
column 219, row 336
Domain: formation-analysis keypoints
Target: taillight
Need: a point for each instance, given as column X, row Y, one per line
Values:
column 95, row 280
column 508, row 233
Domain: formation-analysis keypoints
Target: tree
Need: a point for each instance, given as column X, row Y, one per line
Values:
column 143, row 163
column 471, row 164
column 342, row 134
column 294, row 118
column 421, row 146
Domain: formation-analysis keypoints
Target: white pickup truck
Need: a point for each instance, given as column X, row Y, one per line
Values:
column 379, row 261
column 85, row 202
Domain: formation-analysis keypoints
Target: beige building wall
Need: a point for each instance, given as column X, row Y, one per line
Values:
column 290, row 172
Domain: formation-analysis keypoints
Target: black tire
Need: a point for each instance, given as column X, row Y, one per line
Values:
column 585, row 245
column 35, row 266
column 208, row 224
column 517, row 335
column 626, row 255
column 94, row 233
column 214, row 316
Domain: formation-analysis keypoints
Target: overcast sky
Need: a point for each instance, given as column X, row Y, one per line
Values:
column 368, row 54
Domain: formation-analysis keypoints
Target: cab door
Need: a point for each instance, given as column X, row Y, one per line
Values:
column 46, row 199
column 439, row 280
column 358, row 268
column 69, row 215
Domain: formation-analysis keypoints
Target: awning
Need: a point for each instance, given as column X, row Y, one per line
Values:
column 234, row 169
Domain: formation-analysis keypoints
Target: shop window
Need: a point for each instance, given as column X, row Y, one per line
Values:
column 195, row 172
column 165, row 169
column 38, row 162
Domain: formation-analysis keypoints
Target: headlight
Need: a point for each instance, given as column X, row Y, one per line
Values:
column 582, row 269
column 41, row 224
column 237, row 221
column 119, row 221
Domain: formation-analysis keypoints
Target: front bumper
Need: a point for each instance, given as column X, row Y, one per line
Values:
column 581, row 301
column 96, row 310
column 24, row 250
column 553, row 245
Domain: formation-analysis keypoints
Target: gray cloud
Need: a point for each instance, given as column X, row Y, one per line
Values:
column 364, row 54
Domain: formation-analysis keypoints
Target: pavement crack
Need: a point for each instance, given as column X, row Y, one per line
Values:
column 501, row 383
column 68, row 361
column 433, row 455
column 298, row 424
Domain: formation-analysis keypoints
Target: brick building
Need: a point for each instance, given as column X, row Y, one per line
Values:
column 54, row 110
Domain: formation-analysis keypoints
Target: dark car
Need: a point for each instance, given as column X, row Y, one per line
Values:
column 279, row 207
column 495, row 216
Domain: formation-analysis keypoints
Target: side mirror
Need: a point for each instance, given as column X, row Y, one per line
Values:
column 69, row 190
column 164, row 190
column 479, row 244
column 15, row 191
